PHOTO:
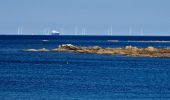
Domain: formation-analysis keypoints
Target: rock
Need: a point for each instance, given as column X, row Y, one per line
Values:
column 43, row 50
column 128, row 47
column 68, row 46
column 131, row 48
column 128, row 50
column 30, row 50
column 151, row 49
column 94, row 48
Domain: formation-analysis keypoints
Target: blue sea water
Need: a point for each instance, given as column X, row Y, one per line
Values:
column 76, row 76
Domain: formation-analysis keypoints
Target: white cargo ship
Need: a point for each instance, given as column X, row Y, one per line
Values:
column 54, row 32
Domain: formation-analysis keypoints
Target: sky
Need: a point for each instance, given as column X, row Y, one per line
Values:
column 96, row 17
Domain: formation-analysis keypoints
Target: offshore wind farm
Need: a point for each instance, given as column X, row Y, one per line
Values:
column 81, row 31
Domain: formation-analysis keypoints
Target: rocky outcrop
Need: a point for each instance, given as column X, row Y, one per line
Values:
column 128, row 50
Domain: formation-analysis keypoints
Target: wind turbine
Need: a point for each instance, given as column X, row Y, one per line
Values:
column 141, row 32
column 75, row 30
column 18, row 31
column 48, row 31
column 61, row 31
column 130, row 31
column 21, row 30
column 110, row 31
column 83, row 31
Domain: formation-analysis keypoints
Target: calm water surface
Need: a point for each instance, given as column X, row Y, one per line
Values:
column 75, row 76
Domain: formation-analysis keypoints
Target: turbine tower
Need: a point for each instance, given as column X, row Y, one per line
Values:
column 48, row 31
column 141, row 32
column 61, row 31
column 130, row 31
column 110, row 31
column 83, row 31
column 75, row 30
column 18, row 31
column 21, row 31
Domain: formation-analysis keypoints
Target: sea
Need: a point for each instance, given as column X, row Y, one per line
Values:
column 80, row 76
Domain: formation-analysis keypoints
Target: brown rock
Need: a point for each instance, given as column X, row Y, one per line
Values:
column 43, row 50
column 151, row 49
column 128, row 50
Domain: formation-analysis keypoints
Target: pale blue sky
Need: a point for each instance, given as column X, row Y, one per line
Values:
column 95, row 15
